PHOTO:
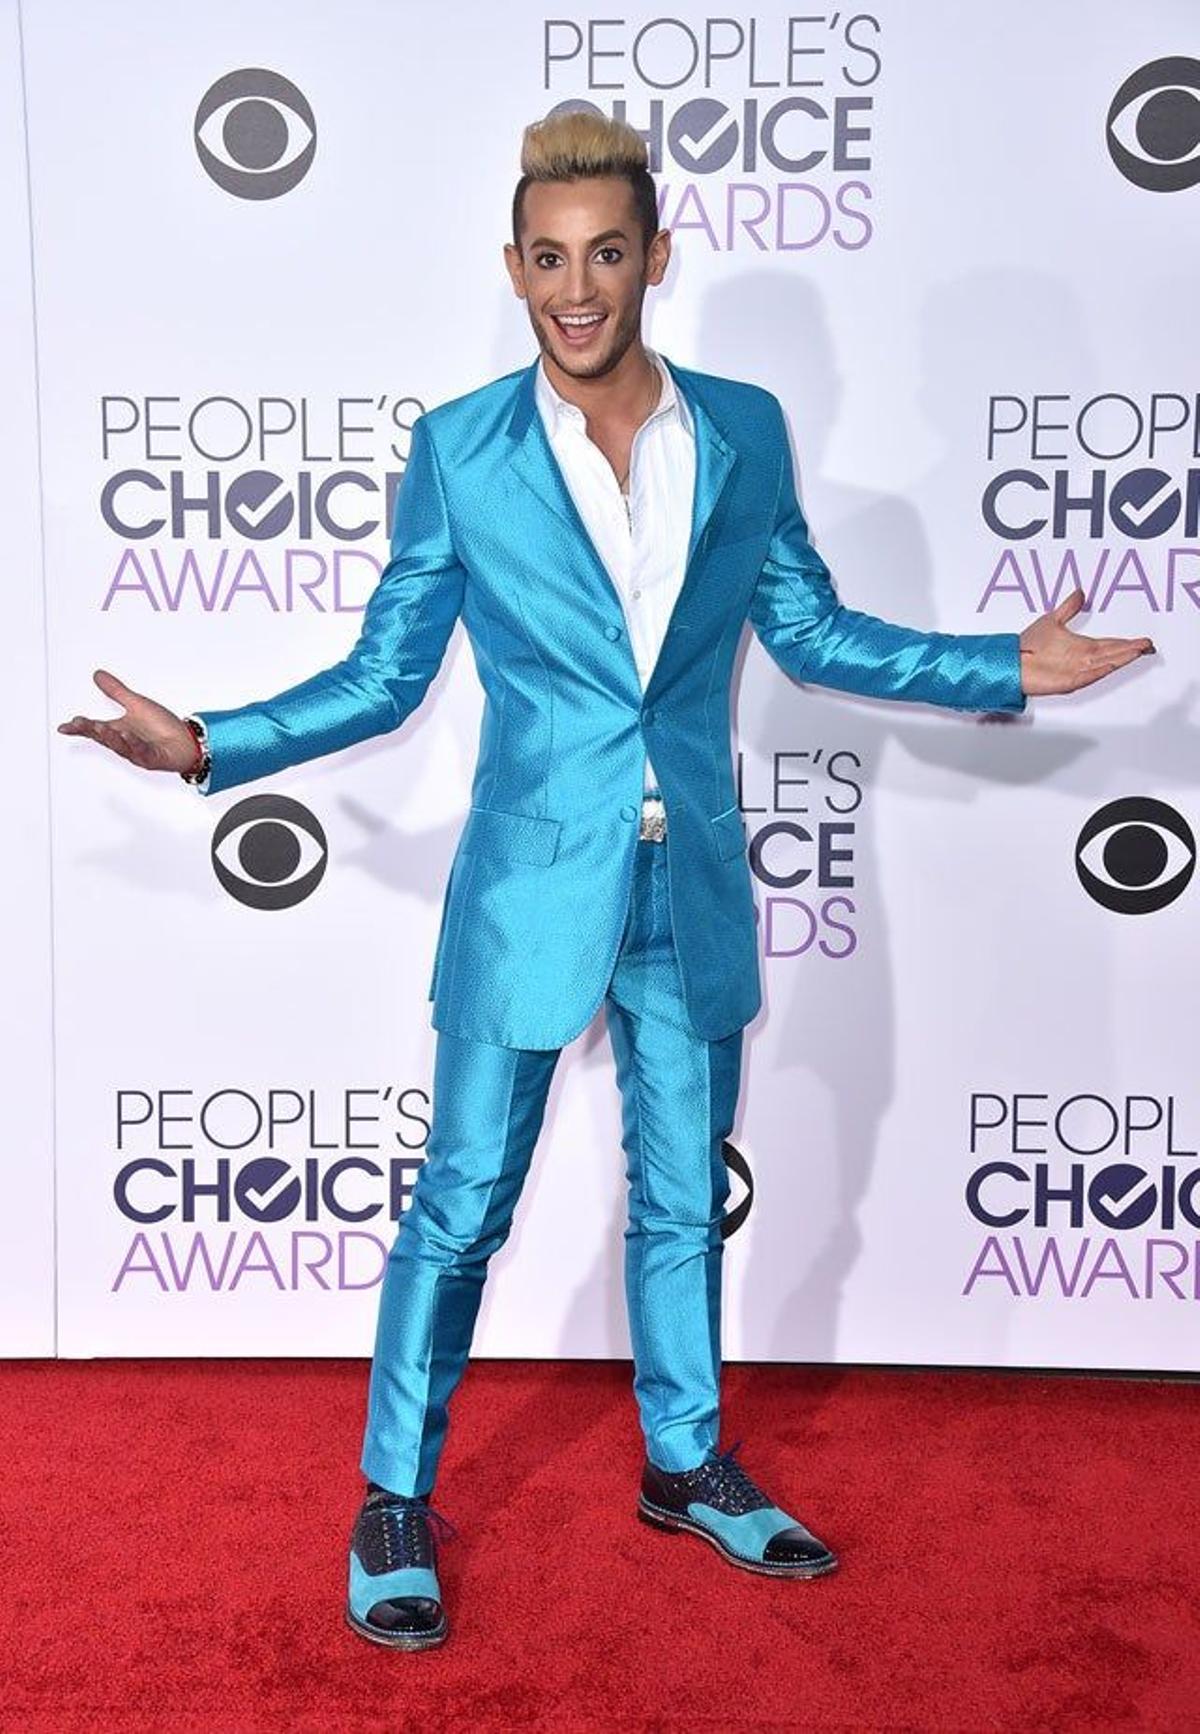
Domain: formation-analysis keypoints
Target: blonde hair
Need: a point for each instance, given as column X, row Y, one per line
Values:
column 579, row 141
column 576, row 143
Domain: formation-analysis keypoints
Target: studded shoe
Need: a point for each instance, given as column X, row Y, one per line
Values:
column 718, row 1501
column 394, row 1597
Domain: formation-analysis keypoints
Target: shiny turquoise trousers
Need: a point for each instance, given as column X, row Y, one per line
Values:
column 678, row 1096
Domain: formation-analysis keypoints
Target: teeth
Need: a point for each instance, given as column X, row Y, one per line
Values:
column 578, row 318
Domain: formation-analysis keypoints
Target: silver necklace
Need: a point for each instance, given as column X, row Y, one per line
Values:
column 621, row 480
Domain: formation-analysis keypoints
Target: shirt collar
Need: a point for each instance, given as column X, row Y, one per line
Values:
column 556, row 409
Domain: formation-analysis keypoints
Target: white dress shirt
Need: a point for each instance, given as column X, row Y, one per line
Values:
column 644, row 546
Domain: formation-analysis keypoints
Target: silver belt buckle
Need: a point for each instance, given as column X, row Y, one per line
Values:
column 653, row 826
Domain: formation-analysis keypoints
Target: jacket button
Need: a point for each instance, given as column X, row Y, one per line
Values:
column 612, row 632
column 628, row 812
column 648, row 714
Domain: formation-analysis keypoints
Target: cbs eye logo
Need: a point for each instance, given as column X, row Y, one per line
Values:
column 269, row 852
column 737, row 1165
column 1153, row 125
column 1135, row 855
column 255, row 134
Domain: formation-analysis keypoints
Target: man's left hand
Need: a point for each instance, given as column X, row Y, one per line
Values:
column 1054, row 659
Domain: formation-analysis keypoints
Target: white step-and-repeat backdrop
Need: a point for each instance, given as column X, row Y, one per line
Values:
column 961, row 244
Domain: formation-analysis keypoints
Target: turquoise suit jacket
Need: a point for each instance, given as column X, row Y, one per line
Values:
column 485, row 527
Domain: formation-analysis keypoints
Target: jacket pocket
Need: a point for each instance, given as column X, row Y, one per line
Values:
column 729, row 832
column 511, row 837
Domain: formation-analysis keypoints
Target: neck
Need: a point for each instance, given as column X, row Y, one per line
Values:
column 618, row 395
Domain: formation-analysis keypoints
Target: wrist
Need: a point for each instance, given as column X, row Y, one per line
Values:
column 202, row 763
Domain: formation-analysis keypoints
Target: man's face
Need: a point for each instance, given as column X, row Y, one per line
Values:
column 581, row 254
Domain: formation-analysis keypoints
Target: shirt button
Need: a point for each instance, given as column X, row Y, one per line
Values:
column 628, row 812
column 637, row 593
column 612, row 632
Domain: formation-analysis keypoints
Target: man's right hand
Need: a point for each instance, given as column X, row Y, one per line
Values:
column 148, row 734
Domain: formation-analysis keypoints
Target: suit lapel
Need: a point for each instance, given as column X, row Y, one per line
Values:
column 534, row 462
column 715, row 457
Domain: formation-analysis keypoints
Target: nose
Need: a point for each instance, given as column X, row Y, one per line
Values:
column 579, row 283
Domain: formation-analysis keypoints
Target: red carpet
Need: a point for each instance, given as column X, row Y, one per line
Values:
column 1018, row 1552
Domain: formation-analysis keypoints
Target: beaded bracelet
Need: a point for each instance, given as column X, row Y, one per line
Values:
column 203, row 763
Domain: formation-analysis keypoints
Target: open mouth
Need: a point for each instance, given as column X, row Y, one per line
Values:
column 578, row 329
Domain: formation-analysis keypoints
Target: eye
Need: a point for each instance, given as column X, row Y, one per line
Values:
column 255, row 133
column 1135, row 855
column 1153, row 125
column 617, row 252
column 269, row 852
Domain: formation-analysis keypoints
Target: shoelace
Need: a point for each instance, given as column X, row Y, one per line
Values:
column 400, row 1515
column 725, row 1478
column 734, row 1472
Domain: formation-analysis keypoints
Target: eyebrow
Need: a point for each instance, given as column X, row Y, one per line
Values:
column 608, row 235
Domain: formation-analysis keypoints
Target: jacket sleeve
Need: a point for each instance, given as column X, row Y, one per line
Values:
column 796, row 614
column 405, row 628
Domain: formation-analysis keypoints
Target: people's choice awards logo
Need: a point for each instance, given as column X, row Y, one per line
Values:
column 255, row 134
column 1090, row 1194
column 1135, row 855
column 278, row 1189
column 269, row 852
column 1153, row 125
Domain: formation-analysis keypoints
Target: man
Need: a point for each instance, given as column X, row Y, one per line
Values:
column 604, row 522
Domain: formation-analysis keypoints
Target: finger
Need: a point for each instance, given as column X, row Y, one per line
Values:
column 1070, row 607
column 78, row 725
column 1127, row 652
column 1115, row 646
column 1097, row 670
column 96, row 729
column 112, row 735
column 114, row 688
column 102, row 732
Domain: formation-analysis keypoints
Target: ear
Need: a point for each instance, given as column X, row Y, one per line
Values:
column 657, row 256
column 516, row 268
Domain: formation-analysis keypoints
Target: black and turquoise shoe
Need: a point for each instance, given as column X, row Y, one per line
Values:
column 718, row 1502
column 394, row 1595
